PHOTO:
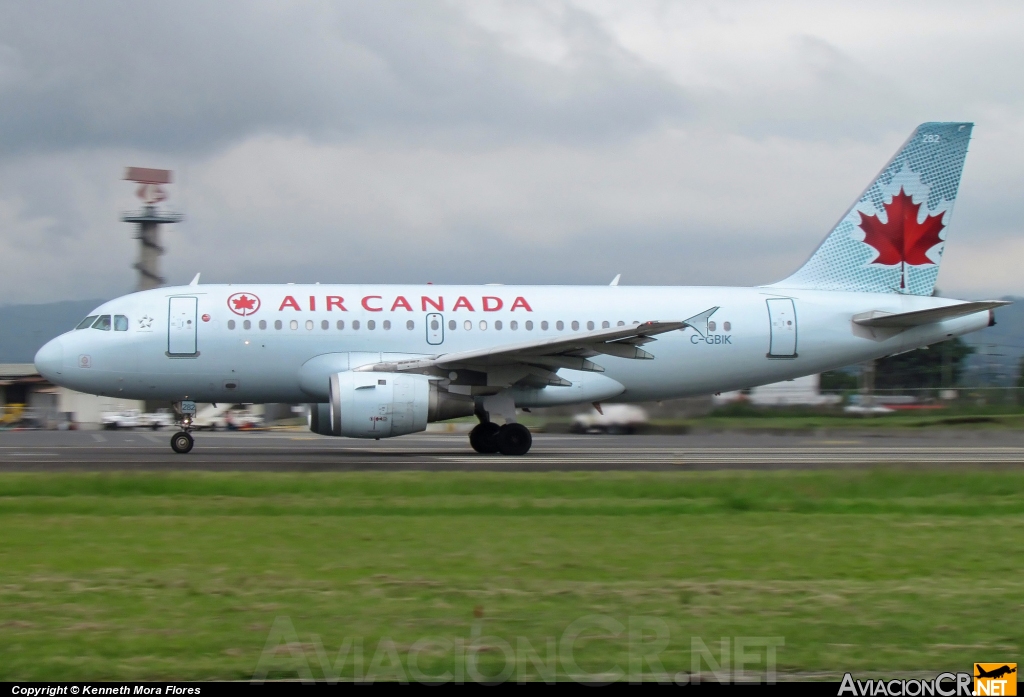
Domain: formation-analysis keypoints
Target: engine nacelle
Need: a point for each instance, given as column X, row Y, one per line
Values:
column 378, row 405
column 382, row 405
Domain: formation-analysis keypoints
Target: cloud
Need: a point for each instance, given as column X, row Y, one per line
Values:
column 489, row 141
column 190, row 76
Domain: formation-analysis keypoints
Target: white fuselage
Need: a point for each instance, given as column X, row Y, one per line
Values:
column 228, row 360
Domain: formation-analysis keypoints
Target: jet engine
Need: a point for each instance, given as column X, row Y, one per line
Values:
column 382, row 405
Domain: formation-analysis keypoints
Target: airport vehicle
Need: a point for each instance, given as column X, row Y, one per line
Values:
column 134, row 418
column 11, row 414
column 613, row 419
column 377, row 361
column 161, row 418
column 113, row 420
column 226, row 417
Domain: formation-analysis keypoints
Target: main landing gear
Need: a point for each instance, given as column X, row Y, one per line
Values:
column 511, row 439
column 489, row 438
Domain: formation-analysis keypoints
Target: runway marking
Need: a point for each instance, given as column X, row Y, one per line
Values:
column 98, row 438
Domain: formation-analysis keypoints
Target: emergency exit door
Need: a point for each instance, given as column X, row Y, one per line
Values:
column 435, row 329
column 782, row 320
column 181, row 327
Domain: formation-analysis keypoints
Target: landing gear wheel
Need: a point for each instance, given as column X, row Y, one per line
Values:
column 514, row 439
column 484, row 438
column 182, row 442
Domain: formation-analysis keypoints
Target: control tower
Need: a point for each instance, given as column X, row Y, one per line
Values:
column 149, row 220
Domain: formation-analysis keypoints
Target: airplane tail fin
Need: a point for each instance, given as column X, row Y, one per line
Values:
column 892, row 238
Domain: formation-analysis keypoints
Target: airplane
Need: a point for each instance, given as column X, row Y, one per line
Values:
column 994, row 673
column 378, row 361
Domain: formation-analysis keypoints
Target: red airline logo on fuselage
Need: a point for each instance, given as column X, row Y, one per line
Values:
column 243, row 304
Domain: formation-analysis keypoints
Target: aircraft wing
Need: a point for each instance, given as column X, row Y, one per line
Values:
column 904, row 320
column 536, row 362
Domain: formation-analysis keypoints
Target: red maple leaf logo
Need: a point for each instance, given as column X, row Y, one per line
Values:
column 244, row 303
column 901, row 239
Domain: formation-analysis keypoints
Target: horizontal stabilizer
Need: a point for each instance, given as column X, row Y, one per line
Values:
column 903, row 320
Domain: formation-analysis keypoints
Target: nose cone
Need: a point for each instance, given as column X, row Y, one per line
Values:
column 50, row 360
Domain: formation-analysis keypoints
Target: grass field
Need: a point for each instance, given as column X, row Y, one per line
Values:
column 137, row 576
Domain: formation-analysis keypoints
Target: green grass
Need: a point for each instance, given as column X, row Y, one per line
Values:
column 134, row 576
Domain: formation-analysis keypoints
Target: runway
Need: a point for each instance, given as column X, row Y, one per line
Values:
column 28, row 451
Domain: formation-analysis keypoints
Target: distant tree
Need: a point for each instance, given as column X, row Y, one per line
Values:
column 1020, row 373
column 838, row 381
column 939, row 365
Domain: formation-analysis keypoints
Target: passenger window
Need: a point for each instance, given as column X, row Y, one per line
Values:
column 711, row 326
column 544, row 325
column 87, row 322
column 410, row 325
column 727, row 326
column 120, row 323
column 341, row 324
column 102, row 323
column 325, row 325
column 620, row 323
column 277, row 324
column 590, row 325
column 513, row 325
column 483, row 324
column 263, row 324
column 370, row 324
column 606, row 324
column 355, row 324
column 575, row 325
column 246, row 324
column 309, row 324
column 559, row 325
column 468, row 325
column 386, row 324
column 231, row 324
column 451, row 324
column 293, row 325
column 529, row 325
column 497, row 324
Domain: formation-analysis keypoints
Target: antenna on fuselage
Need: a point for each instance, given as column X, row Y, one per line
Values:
column 615, row 281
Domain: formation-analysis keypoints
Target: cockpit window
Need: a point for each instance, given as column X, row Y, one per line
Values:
column 120, row 323
column 102, row 322
column 87, row 322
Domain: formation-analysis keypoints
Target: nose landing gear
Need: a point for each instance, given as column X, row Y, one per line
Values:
column 182, row 441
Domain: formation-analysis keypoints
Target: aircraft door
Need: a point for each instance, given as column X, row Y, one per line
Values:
column 181, row 327
column 782, row 321
column 435, row 329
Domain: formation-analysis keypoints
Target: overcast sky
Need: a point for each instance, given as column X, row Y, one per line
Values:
column 507, row 142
